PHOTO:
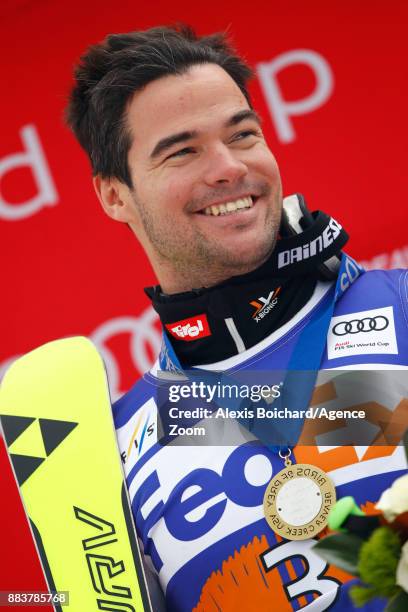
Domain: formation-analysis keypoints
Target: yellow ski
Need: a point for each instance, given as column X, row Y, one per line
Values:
column 57, row 423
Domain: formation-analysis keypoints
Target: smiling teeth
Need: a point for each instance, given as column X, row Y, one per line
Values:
column 228, row 207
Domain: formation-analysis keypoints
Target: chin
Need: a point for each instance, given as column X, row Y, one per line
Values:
column 251, row 250
column 250, row 258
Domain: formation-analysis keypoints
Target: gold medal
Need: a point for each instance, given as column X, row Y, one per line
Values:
column 298, row 499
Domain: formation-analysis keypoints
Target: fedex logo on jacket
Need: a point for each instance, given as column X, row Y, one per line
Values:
column 218, row 493
column 199, row 509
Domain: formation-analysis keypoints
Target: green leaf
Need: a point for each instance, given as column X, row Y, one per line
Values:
column 405, row 439
column 342, row 550
column 399, row 603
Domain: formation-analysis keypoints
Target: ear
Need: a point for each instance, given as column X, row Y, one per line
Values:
column 115, row 198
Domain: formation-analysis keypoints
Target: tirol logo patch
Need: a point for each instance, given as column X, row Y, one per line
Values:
column 358, row 333
column 190, row 329
column 264, row 305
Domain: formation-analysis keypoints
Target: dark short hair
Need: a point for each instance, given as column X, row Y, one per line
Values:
column 110, row 72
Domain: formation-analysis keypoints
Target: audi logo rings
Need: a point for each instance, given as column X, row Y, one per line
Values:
column 360, row 325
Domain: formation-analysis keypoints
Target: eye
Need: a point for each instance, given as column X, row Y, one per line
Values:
column 181, row 152
column 246, row 134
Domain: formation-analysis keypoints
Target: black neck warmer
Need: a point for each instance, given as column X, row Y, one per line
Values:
column 207, row 325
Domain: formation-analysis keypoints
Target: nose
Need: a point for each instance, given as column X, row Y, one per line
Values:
column 223, row 166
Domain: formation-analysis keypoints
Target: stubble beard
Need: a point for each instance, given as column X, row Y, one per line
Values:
column 199, row 262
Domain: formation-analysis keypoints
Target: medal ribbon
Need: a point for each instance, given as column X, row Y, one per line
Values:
column 301, row 371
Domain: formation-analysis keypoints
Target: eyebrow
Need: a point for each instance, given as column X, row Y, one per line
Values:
column 173, row 139
column 247, row 113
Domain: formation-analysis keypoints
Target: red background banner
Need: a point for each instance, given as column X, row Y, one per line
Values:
column 331, row 86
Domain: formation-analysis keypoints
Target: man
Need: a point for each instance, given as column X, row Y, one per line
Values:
column 178, row 155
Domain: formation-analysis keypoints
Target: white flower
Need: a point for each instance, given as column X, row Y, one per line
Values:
column 402, row 569
column 394, row 501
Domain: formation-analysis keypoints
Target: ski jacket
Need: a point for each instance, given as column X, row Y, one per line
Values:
column 199, row 509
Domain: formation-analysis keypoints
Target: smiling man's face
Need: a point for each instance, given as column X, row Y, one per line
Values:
column 206, row 202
